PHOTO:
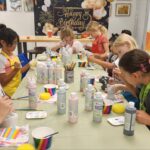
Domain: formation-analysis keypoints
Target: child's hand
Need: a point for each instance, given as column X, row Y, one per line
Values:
column 17, row 66
column 91, row 58
column 6, row 107
column 142, row 117
column 62, row 44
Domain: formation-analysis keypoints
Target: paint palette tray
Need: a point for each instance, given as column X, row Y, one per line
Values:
column 14, row 136
column 36, row 115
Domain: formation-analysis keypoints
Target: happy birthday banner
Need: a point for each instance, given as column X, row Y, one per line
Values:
column 77, row 18
column 74, row 13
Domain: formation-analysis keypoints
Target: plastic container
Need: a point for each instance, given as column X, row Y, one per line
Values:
column 73, row 108
column 130, row 116
column 97, row 108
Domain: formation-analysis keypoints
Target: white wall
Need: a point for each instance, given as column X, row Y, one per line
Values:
column 23, row 22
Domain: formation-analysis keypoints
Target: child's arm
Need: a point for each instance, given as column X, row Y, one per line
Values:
column 143, row 117
column 5, row 107
column 101, row 62
column 25, row 68
column 7, row 77
column 58, row 46
column 106, row 48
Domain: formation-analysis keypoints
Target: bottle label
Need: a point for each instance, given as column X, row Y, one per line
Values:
column 73, row 109
column 61, row 101
column 129, row 121
column 97, row 111
column 89, row 96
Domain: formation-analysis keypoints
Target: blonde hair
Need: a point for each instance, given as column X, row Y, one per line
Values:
column 125, row 39
column 94, row 26
column 66, row 32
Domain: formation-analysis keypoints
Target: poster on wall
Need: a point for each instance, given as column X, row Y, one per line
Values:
column 74, row 13
column 28, row 5
column 2, row 5
column 14, row 5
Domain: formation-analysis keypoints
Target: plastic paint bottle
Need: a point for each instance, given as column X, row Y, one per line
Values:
column 32, row 93
column 61, row 100
column 73, row 108
column 97, row 107
column 130, row 115
column 89, row 97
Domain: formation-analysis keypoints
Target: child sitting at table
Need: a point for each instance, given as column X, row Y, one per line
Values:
column 100, row 45
column 10, row 68
column 135, row 68
column 68, row 41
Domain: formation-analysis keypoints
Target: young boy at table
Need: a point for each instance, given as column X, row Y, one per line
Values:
column 10, row 67
column 135, row 68
column 68, row 41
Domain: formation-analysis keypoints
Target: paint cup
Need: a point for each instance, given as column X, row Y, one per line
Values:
column 50, row 88
column 49, row 33
column 79, row 55
column 42, row 137
column 69, row 76
column 107, row 109
column 10, row 121
column 81, row 64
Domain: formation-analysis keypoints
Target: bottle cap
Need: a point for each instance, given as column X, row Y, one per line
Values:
column 73, row 94
column 98, row 94
column 131, row 104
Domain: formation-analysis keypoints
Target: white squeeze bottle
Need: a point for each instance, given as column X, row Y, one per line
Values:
column 73, row 108
column 97, row 107
column 61, row 100
column 89, row 97
column 130, row 115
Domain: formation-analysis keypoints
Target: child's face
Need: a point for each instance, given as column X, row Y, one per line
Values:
column 9, row 48
column 121, row 50
column 68, row 40
column 132, row 78
column 94, row 34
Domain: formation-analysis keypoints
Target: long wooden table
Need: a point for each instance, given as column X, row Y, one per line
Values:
column 23, row 40
column 85, row 134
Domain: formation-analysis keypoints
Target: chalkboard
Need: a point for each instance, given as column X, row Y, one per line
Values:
column 76, row 18
column 75, row 13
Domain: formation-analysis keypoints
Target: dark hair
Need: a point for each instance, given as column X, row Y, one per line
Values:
column 8, row 35
column 127, row 32
column 113, row 37
column 135, row 60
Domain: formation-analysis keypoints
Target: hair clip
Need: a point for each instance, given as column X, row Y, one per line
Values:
column 143, row 69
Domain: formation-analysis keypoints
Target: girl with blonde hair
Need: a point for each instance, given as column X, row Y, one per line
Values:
column 100, row 45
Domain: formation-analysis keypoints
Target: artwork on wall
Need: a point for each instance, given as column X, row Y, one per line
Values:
column 123, row 9
column 28, row 5
column 76, row 13
column 2, row 5
column 14, row 5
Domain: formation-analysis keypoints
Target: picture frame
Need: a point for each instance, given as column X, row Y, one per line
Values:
column 123, row 9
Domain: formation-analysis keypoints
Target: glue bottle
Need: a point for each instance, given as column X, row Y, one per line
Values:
column 89, row 96
column 61, row 100
column 130, row 115
column 97, row 107
column 73, row 108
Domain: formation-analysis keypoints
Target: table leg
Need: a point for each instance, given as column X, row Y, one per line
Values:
column 25, row 48
column 19, row 47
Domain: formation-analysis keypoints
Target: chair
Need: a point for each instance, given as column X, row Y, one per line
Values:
column 24, row 60
column 36, row 51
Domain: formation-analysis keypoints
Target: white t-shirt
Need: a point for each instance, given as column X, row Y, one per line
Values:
column 2, row 93
column 116, row 62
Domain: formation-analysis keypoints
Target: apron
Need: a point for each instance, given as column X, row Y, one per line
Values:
column 11, row 86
